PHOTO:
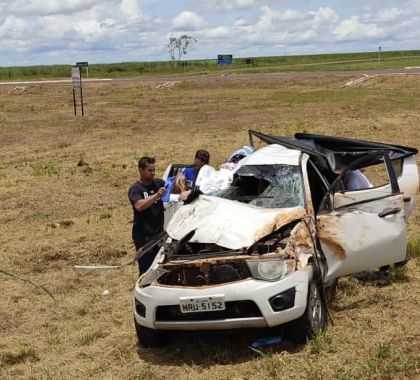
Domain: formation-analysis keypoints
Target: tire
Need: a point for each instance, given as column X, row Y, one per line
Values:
column 314, row 319
column 149, row 337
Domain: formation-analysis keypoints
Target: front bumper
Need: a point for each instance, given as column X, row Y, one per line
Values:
column 257, row 291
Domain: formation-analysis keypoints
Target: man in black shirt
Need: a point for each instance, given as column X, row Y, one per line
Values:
column 145, row 197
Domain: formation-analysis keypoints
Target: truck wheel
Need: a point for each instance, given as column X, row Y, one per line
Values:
column 150, row 337
column 313, row 320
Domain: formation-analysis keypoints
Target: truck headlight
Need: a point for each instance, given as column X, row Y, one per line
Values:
column 271, row 270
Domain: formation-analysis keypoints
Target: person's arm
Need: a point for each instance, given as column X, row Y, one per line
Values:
column 144, row 204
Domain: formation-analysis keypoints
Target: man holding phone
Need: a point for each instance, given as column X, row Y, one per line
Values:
column 145, row 197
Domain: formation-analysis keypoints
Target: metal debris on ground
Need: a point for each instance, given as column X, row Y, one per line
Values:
column 355, row 82
column 266, row 341
column 166, row 84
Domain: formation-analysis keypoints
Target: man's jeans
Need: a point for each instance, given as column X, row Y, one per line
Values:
column 147, row 259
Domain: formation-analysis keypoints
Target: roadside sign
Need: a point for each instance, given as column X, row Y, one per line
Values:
column 76, row 80
column 75, row 77
column 83, row 64
column 224, row 59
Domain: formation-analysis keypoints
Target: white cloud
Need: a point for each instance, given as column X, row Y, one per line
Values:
column 290, row 26
column 352, row 29
column 227, row 5
column 131, row 9
column 388, row 15
column 11, row 27
column 188, row 21
column 324, row 15
column 240, row 22
column 56, row 31
column 218, row 32
column 46, row 7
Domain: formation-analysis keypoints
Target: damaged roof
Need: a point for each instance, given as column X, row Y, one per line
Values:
column 273, row 154
column 336, row 153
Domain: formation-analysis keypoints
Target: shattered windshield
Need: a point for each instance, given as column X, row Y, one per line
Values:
column 268, row 186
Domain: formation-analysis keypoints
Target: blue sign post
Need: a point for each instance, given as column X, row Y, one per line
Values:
column 224, row 59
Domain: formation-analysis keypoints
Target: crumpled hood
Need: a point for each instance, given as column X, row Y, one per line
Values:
column 229, row 224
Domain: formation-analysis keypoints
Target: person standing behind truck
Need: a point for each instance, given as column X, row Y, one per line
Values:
column 145, row 197
column 185, row 180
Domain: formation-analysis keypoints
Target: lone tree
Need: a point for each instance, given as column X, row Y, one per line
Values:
column 178, row 46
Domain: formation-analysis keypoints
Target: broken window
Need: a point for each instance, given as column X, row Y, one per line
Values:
column 377, row 175
column 268, row 186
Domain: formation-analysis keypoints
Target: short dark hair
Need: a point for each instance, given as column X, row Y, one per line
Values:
column 144, row 161
column 203, row 155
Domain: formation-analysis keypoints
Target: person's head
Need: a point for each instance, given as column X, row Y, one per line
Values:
column 202, row 157
column 147, row 168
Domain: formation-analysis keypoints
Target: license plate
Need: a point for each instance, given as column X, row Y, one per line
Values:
column 199, row 304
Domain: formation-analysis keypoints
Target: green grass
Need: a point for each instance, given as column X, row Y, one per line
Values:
column 87, row 338
column 413, row 248
column 317, row 62
column 44, row 169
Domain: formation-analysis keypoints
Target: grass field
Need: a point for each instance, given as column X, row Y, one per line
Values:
column 63, row 201
column 318, row 62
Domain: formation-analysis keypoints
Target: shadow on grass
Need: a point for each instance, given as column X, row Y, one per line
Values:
column 206, row 349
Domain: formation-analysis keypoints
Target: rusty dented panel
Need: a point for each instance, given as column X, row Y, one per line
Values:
column 299, row 245
column 328, row 236
column 281, row 220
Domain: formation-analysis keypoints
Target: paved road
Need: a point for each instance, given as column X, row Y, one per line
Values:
column 216, row 76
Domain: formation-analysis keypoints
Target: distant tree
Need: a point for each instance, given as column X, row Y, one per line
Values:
column 178, row 47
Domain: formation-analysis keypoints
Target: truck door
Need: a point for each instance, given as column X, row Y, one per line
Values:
column 366, row 231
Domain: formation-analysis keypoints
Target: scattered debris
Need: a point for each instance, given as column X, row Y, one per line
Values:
column 355, row 82
column 254, row 346
column 166, row 84
column 266, row 341
column 105, row 292
column 98, row 266
column 64, row 224
column 19, row 89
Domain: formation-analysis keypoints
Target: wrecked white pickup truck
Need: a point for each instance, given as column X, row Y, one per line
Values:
column 267, row 250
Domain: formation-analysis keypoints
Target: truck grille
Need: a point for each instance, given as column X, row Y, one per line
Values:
column 234, row 309
column 211, row 274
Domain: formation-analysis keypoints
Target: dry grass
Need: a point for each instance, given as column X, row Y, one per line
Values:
column 55, row 213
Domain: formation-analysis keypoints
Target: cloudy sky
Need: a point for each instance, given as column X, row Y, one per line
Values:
column 65, row 31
